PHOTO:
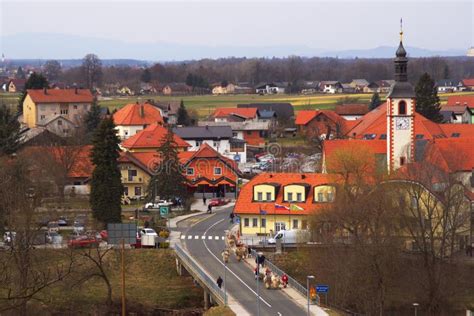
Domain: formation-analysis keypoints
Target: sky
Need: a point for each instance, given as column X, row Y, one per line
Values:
column 324, row 25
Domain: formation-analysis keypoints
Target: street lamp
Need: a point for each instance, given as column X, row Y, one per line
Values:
column 415, row 305
column 309, row 277
column 225, row 283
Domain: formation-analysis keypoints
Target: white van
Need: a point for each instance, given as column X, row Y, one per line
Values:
column 291, row 236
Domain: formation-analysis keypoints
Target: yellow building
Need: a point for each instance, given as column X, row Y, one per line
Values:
column 135, row 174
column 271, row 202
column 44, row 105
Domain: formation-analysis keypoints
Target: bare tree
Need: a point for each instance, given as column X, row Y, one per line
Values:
column 52, row 70
column 91, row 71
column 23, row 273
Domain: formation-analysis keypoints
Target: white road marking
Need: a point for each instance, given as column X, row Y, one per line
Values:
column 196, row 237
column 223, row 237
column 279, row 314
column 209, row 237
column 190, row 236
column 216, row 238
column 203, row 237
column 205, row 245
column 183, row 236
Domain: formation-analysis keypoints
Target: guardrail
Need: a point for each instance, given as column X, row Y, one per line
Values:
column 292, row 282
column 191, row 264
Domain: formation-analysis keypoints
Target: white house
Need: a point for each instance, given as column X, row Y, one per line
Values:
column 219, row 138
column 135, row 117
column 270, row 88
column 331, row 87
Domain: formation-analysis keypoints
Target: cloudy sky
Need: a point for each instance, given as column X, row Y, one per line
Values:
column 334, row 25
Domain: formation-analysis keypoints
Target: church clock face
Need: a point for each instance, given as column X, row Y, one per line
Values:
column 402, row 123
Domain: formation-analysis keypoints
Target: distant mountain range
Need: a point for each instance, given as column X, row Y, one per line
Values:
column 69, row 47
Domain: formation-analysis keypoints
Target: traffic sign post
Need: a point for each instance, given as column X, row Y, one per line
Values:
column 322, row 288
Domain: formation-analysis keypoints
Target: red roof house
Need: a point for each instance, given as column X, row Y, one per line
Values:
column 151, row 138
column 138, row 114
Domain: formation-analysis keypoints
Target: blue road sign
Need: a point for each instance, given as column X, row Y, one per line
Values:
column 237, row 157
column 320, row 288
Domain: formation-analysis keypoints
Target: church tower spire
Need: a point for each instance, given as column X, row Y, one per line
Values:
column 400, row 113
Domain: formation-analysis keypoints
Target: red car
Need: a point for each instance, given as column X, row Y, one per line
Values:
column 218, row 202
column 83, row 242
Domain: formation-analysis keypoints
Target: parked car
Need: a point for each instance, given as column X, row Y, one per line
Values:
column 83, row 242
column 78, row 228
column 53, row 226
column 53, row 237
column 158, row 204
column 62, row 221
column 218, row 202
column 148, row 232
column 80, row 219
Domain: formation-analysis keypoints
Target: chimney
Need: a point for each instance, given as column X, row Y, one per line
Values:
column 303, row 176
column 75, row 90
column 142, row 111
column 271, row 175
column 45, row 90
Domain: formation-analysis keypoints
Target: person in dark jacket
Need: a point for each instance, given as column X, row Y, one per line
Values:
column 209, row 208
column 219, row 282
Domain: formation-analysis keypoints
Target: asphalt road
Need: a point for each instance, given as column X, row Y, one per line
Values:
column 239, row 278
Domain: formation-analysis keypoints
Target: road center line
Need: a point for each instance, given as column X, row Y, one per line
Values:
column 218, row 260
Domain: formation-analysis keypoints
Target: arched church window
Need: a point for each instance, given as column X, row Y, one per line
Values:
column 402, row 107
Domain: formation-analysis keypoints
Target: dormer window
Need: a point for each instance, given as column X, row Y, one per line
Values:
column 402, row 108
column 324, row 194
column 296, row 192
column 265, row 192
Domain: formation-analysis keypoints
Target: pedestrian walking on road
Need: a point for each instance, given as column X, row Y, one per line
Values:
column 219, row 282
column 232, row 217
column 204, row 199
column 209, row 208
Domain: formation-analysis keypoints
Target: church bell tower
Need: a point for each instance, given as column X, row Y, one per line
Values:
column 400, row 114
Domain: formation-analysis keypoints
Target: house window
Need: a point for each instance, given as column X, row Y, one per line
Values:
column 75, row 107
column 318, row 119
column 125, row 191
column 138, row 191
column 246, row 222
column 279, row 226
column 299, row 197
column 295, row 224
column 419, row 136
column 269, row 196
column 125, row 132
column 215, row 144
column 304, row 224
column 330, row 196
column 402, row 108
column 198, row 143
column 190, row 171
column 60, row 122
column 217, row 170
column 290, row 196
column 42, row 117
column 263, row 223
column 131, row 174
column 320, row 197
column 254, row 222
column 64, row 111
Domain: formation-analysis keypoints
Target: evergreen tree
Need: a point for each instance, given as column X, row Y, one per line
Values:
column 9, row 131
column 93, row 118
column 375, row 101
column 106, row 186
column 35, row 81
column 168, row 181
column 183, row 116
column 427, row 100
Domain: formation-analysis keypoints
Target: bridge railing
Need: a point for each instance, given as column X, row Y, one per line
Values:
column 291, row 282
column 191, row 264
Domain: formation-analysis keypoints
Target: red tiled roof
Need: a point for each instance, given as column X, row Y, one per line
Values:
column 138, row 114
column 305, row 116
column 464, row 130
column 245, row 204
column 352, row 109
column 453, row 154
column 61, row 96
column 465, row 100
column 151, row 137
column 468, row 82
column 207, row 152
column 248, row 113
column 147, row 160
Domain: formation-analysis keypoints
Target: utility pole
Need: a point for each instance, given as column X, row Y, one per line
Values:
column 124, row 311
